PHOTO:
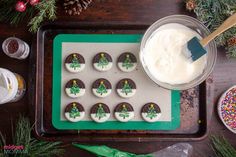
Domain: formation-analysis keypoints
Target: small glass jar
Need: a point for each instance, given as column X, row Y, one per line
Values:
column 12, row 86
column 15, row 48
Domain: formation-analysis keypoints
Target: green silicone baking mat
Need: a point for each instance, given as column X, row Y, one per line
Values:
column 89, row 45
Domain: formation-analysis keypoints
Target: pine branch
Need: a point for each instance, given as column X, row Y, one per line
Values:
column 222, row 147
column 213, row 13
column 2, row 144
column 9, row 14
column 46, row 10
column 44, row 149
column 22, row 132
column 32, row 146
column 231, row 51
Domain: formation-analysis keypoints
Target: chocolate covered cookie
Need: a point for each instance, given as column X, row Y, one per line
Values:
column 75, row 88
column 151, row 112
column 75, row 63
column 101, row 88
column 100, row 112
column 124, row 112
column 102, row 61
column 127, row 62
column 126, row 88
column 74, row 112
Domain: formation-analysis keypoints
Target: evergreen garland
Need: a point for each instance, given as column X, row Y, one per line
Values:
column 222, row 148
column 44, row 10
column 9, row 14
column 213, row 13
column 32, row 146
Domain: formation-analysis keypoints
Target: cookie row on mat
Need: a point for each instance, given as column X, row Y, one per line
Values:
column 125, row 88
column 123, row 112
column 102, row 61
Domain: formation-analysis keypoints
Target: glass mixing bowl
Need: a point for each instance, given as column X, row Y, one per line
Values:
column 195, row 25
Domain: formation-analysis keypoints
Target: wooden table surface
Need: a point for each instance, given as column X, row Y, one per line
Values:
column 132, row 11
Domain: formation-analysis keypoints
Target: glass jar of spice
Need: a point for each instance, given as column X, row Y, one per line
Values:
column 15, row 48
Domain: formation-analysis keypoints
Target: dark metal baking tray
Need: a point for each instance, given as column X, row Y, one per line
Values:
column 195, row 103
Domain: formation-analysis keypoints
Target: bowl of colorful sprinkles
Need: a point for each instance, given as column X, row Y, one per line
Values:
column 227, row 109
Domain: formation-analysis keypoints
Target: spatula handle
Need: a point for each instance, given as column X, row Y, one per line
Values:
column 228, row 23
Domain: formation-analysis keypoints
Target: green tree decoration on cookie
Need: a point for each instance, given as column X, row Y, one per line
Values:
column 126, row 88
column 124, row 112
column 74, row 111
column 103, row 61
column 100, row 112
column 127, row 62
column 102, row 88
column 75, row 62
column 151, row 112
column 75, row 88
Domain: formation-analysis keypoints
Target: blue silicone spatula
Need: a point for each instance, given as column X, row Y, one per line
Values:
column 194, row 48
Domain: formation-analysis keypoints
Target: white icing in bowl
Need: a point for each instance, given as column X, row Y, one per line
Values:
column 173, row 71
column 164, row 57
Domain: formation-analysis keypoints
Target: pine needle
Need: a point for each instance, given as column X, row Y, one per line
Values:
column 2, row 144
column 9, row 14
column 213, row 13
column 35, row 15
column 46, row 10
column 32, row 146
column 222, row 147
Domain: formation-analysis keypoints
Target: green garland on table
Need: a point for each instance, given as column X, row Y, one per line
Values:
column 32, row 146
column 9, row 14
column 44, row 10
column 213, row 13
column 222, row 147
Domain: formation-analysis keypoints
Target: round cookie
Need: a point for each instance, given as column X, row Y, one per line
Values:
column 124, row 112
column 151, row 112
column 127, row 62
column 75, row 88
column 102, row 61
column 101, row 88
column 75, row 63
column 100, row 112
column 126, row 88
column 74, row 112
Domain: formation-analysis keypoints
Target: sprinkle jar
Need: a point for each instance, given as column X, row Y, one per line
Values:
column 15, row 48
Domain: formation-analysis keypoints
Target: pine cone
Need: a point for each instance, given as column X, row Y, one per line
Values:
column 190, row 5
column 75, row 7
column 231, row 41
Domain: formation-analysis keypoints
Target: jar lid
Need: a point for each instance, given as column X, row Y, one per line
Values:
column 4, row 85
column 8, row 85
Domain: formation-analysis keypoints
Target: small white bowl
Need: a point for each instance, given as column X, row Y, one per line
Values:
column 219, row 108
